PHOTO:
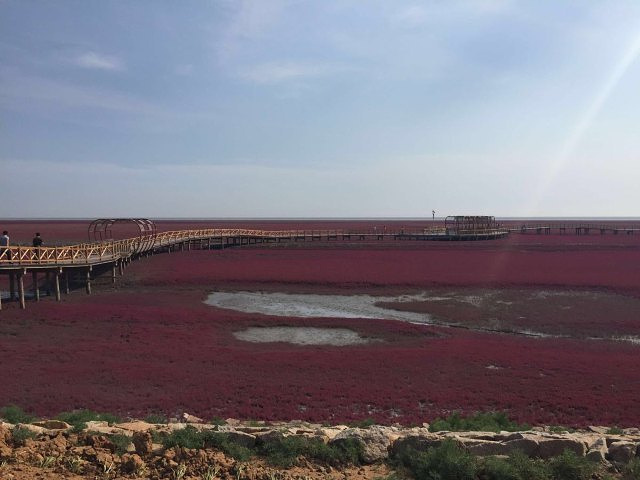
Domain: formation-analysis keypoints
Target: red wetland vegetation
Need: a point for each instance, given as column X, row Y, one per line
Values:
column 149, row 343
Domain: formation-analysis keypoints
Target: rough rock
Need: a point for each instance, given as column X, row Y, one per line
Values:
column 138, row 426
column 552, row 447
column 598, row 429
column 375, row 439
column 483, row 448
column 104, row 428
column 529, row 445
column 34, row 428
column 102, row 442
column 52, row 424
column 598, row 451
column 132, row 462
column 490, row 436
column 5, row 432
column 330, row 432
column 188, row 418
column 419, row 443
column 622, row 451
column 5, row 450
column 60, row 442
column 143, row 443
column 243, row 439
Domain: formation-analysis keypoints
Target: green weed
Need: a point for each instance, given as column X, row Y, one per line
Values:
column 78, row 418
column 14, row 414
column 156, row 418
column 570, row 466
column 632, row 470
column 484, row 422
column 20, row 435
column 446, row 461
column 121, row 442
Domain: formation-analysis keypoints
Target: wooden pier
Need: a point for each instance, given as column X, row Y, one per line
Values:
column 575, row 229
column 54, row 269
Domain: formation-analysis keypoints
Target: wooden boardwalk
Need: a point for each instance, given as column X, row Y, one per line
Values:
column 575, row 229
column 63, row 265
column 57, row 268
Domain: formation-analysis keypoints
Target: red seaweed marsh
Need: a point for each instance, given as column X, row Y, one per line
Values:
column 545, row 327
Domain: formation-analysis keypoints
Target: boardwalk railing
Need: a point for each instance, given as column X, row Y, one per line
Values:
column 108, row 251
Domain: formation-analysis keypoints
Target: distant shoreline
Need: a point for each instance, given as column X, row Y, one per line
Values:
column 310, row 219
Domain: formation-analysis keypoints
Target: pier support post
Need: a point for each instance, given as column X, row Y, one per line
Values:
column 88, row 281
column 113, row 272
column 121, row 268
column 12, row 286
column 56, row 283
column 21, row 290
column 66, row 282
column 36, row 289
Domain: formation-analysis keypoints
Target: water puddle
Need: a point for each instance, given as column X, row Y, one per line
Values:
column 312, row 305
column 337, row 337
column 358, row 306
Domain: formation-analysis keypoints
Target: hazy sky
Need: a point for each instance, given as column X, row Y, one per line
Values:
column 319, row 108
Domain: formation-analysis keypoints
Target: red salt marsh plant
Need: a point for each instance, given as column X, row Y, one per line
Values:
column 147, row 359
column 153, row 346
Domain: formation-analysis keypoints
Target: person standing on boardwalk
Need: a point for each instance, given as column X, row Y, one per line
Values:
column 4, row 244
column 37, row 242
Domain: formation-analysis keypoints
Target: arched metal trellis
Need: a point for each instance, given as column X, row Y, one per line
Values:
column 100, row 230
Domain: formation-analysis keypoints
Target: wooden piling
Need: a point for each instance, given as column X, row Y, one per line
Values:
column 121, row 268
column 21, row 291
column 66, row 282
column 12, row 285
column 113, row 272
column 36, row 289
column 88, row 281
column 56, row 283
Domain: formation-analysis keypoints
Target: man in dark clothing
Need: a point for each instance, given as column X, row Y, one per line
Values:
column 4, row 242
column 37, row 240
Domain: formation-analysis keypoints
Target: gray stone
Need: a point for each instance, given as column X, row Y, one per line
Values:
column 622, row 451
column 419, row 443
column 242, row 439
column 376, row 441
column 528, row 445
column 552, row 447
column 598, row 450
column 53, row 424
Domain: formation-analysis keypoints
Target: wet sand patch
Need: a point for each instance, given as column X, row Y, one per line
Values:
column 337, row 337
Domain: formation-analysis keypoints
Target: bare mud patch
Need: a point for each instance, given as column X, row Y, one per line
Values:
column 541, row 313
column 337, row 337
column 316, row 306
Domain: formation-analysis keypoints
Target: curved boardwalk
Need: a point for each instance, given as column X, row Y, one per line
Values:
column 76, row 263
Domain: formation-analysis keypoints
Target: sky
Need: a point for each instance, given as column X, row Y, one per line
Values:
column 333, row 108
